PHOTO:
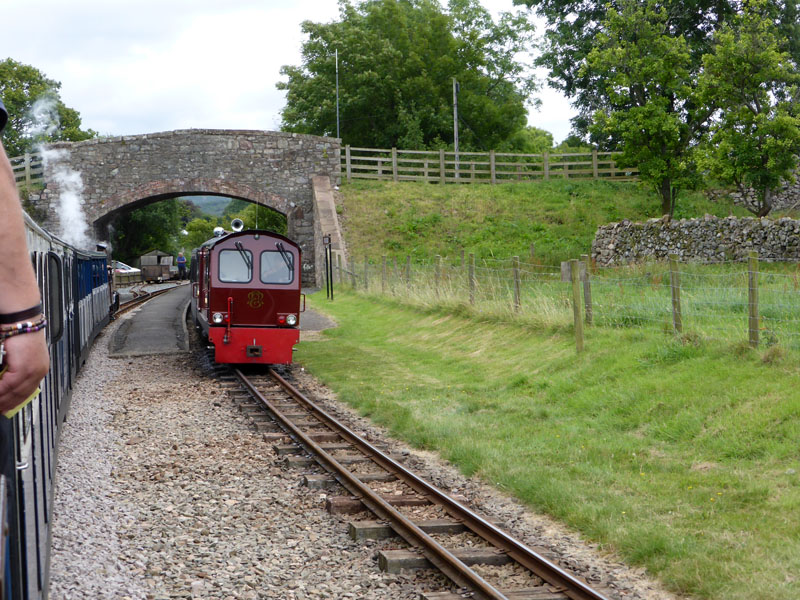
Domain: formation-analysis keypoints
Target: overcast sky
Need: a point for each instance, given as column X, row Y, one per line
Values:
column 131, row 67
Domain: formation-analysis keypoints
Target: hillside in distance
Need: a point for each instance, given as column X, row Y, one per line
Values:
column 210, row 205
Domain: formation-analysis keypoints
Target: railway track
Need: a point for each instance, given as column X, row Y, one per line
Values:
column 481, row 560
column 141, row 296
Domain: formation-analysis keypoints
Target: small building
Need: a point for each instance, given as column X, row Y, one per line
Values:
column 156, row 266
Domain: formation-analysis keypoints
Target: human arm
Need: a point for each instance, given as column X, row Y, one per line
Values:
column 26, row 356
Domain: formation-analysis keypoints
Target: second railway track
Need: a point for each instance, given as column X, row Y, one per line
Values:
column 474, row 553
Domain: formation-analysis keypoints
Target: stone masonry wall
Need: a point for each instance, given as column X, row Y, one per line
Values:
column 709, row 239
column 784, row 198
column 272, row 168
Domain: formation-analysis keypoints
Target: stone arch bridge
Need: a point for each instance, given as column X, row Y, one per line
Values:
column 290, row 173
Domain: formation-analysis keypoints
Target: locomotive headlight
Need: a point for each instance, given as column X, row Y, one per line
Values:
column 217, row 318
column 291, row 320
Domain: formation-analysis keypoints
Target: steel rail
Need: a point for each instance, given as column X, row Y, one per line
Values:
column 535, row 562
column 437, row 554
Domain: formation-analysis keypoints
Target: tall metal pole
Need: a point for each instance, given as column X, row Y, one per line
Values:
column 337, row 93
column 455, row 121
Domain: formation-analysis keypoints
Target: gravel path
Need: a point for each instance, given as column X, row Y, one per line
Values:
column 165, row 490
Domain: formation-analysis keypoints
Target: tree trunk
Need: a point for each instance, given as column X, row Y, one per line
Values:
column 667, row 204
column 766, row 203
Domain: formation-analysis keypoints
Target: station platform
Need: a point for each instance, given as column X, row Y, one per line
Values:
column 157, row 327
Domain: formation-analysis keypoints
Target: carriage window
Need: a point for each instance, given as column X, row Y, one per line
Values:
column 235, row 266
column 55, row 297
column 277, row 267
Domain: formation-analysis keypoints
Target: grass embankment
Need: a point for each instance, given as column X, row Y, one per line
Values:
column 682, row 458
column 559, row 217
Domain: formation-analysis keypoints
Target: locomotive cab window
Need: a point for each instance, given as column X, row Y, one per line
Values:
column 235, row 266
column 277, row 267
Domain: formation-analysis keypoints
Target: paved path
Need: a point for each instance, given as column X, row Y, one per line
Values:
column 158, row 327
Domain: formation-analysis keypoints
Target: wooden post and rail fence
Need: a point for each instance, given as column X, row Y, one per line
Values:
column 446, row 166
column 436, row 166
column 576, row 273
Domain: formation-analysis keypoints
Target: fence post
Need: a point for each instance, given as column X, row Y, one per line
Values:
column 575, row 276
column 752, row 280
column 395, row 176
column 28, row 170
column 442, row 174
column 437, row 274
column 587, row 290
column 383, row 277
column 533, row 251
column 348, row 163
column 595, row 173
column 546, row 165
column 471, row 278
column 675, row 285
column 493, row 166
column 515, row 270
column 339, row 267
column 425, row 171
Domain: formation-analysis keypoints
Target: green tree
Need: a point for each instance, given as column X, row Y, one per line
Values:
column 530, row 140
column 199, row 230
column 256, row 216
column 756, row 138
column 648, row 76
column 153, row 227
column 574, row 25
column 23, row 89
column 397, row 62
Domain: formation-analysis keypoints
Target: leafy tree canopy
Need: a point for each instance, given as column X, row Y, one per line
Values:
column 756, row 137
column 36, row 112
column 153, row 227
column 530, row 140
column 652, row 108
column 397, row 61
column 574, row 25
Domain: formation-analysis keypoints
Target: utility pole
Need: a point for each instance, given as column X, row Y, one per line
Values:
column 337, row 93
column 455, row 121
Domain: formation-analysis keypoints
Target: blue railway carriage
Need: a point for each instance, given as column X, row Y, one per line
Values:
column 77, row 299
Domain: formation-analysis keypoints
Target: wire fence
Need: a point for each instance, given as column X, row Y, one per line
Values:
column 749, row 301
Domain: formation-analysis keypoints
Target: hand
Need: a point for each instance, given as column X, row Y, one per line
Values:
column 28, row 362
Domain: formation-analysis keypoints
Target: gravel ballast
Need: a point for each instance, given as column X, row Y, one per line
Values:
column 166, row 490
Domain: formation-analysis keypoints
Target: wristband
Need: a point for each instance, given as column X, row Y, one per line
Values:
column 7, row 331
column 15, row 317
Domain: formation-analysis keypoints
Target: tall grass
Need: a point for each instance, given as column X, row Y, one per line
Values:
column 714, row 297
column 680, row 456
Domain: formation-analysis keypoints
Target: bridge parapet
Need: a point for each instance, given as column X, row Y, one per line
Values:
column 274, row 169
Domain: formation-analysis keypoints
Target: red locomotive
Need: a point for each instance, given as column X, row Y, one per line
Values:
column 246, row 295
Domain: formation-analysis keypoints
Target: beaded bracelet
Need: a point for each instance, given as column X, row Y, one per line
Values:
column 9, row 318
column 7, row 331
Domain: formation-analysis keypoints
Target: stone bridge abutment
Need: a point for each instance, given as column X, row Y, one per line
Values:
column 273, row 169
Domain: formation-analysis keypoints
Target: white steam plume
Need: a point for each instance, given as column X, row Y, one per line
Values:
column 74, row 227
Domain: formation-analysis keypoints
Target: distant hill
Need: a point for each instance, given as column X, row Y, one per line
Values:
column 210, row 205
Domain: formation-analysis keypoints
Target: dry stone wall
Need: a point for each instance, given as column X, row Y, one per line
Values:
column 710, row 239
column 786, row 197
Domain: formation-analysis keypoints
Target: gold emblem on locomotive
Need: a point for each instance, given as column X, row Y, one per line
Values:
column 255, row 299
